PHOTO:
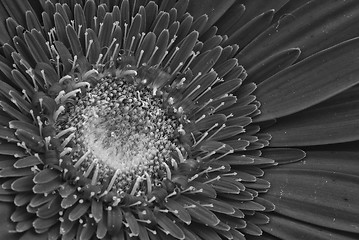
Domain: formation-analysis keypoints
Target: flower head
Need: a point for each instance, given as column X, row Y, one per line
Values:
column 159, row 120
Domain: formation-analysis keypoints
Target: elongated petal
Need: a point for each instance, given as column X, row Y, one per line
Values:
column 310, row 81
column 321, row 190
column 306, row 28
column 330, row 124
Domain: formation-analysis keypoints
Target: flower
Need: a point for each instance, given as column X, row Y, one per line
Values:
column 179, row 119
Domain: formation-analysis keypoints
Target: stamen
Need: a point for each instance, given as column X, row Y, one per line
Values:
column 86, row 42
column 65, row 78
column 68, row 139
column 65, row 151
column 172, row 56
column 137, row 184
column 108, row 49
column 49, row 49
column 172, row 41
column 174, row 193
column 199, row 174
column 63, row 132
column 141, row 38
column 149, row 183
column 39, row 122
column 153, row 53
column 25, row 95
column 95, row 24
column 161, row 60
column 50, row 38
column 178, row 68
column 132, row 42
column 114, row 53
column 113, row 179
column 199, row 119
column 216, row 108
column 74, row 63
column 174, row 164
column 58, row 112
column 41, row 100
column 45, row 79
column 223, row 155
column 82, row 84
column 193, row 91
column 193, row 56
column 212, row 180
column 205, row 105
column 101, row 29
column 58, row 65
column 81, row 159
column 99, row 60
column 79, row 31
column 125, row 35
column 204, row 135
column 139, row 58
column 88, row 48
column 92, row 165
column 70, row 94
column 203, row 93
column 135, row 204
column 31, row 74
column 32, row 115
column 95, row 175
column 181, row 158
column 218, row 130
column 168, row 171
column 59, row 96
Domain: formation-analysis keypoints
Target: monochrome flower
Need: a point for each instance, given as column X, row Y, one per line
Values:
column 179, row 119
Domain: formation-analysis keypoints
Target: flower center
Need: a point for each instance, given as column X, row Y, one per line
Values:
column 124, row 133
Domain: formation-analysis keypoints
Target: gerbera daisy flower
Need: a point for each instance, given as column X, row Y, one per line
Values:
column 179, row 119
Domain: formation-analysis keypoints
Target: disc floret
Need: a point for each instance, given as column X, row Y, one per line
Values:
column 125, row 131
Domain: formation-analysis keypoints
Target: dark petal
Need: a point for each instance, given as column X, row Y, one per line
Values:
column 288, row 7
column 283, row 155
column 214, row 9
column 250, row 30
column 253, row 9
column 288, row 228
column 6, row 224
column 78, row 211
column 178, row 210
column 16, row 9
column 168, row 226
column 22, row 184
column 30, row 235
column 272, row 64
column 331, row 123
column 320, row 191
column 198, row 212
column 310, row 81
column 312, row 27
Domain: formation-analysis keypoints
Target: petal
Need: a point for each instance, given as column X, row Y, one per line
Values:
column 17, row 9
column 320, row 190
column 214, row 9
column 328, row 124
column 312, row 27
column 6, row 224
column 272, row 64
column 310, row 81
column 250, row 30
column 292, row 229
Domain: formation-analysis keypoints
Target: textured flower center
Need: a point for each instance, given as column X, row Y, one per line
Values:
column 123, row 133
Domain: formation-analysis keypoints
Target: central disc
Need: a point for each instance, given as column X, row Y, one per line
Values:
column 122, row 132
